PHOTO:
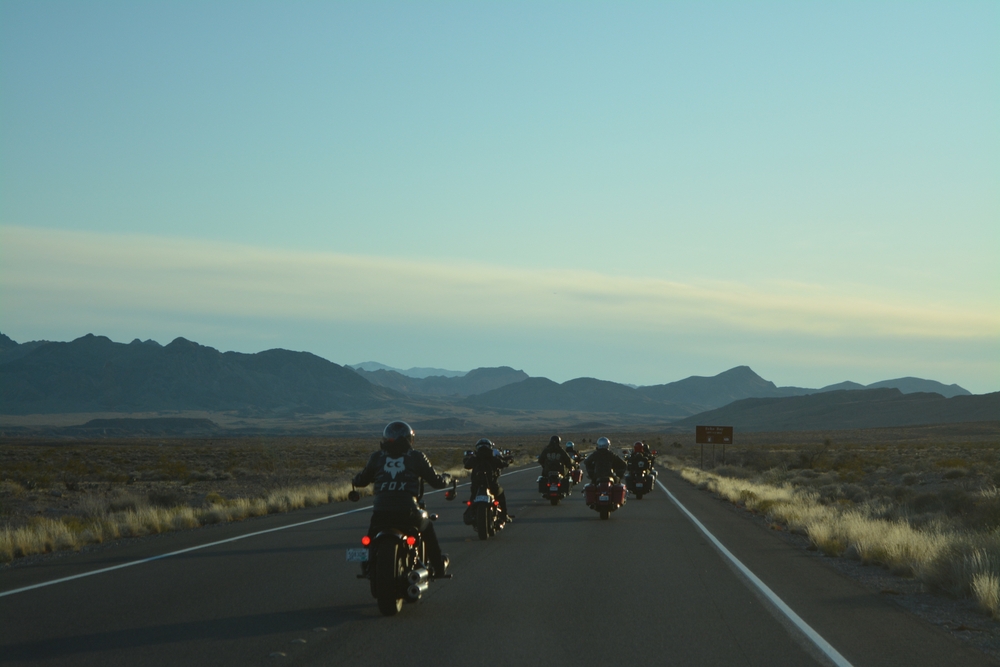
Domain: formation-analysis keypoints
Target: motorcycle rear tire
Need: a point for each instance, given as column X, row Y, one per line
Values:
column 638, row 496
column 605, row 514
column 388, row 569
column 554, row 501
column 482, row 522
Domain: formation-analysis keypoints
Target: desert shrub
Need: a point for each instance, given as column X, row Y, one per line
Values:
column 957, row 501
column 984, row 512
column 911, row 478
column 733, row 471
column 93, row 506
column 11, row 488
column 812, row 457
column 955, row 473
column 758, row 460
column 926, row 502
column 849, row 465
column 124, row 501
column 166, row 498
column 214, row 498
column 169, row 469
column 900, row 493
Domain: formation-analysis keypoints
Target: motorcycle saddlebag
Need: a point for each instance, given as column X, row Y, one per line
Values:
column 577, row 475
column 618, row 494
column 543, row 485
column 590, row 494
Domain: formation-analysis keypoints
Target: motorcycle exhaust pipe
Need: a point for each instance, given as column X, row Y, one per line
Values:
column 415, row 591
column 418, row 576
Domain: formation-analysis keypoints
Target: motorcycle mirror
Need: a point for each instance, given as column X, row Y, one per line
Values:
column 354, row 496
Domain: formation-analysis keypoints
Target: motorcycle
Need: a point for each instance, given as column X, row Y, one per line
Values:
column 605, row 496
column 484, row 515
column 640, row 478
column 554, row 486
column 395, row 561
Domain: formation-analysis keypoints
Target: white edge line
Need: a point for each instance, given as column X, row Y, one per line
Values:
column 202, row 546
column 813, row 636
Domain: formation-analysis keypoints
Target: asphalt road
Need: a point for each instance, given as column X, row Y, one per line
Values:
column 557, row 587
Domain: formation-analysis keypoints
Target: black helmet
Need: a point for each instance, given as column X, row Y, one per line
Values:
column 483, row 445
column 397, row 437
column 555, row 440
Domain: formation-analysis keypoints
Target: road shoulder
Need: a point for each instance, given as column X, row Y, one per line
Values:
column 867, row 627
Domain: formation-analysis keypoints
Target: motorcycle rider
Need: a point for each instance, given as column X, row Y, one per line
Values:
column 486, row 461
column 640, row 452
column 396, row 470
column 604, row 463
column 554, row 457
column 573, row 454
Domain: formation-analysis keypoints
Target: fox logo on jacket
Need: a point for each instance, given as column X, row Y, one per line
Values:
column 394, row 466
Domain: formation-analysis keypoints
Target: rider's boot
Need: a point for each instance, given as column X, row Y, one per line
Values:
column 440, row 567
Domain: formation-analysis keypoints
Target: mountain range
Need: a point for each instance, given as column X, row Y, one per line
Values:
column 93, row 374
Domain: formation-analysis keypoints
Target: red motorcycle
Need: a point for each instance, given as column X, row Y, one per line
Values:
column 605, row 496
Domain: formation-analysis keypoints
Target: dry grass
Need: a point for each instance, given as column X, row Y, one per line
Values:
column 65, row 497
column 44, row 535
column 946, row 555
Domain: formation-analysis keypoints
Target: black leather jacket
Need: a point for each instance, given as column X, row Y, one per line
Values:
column 554, row 457
column 397, row 479
column 485, row 469
column 604, row 463
column 633, row 463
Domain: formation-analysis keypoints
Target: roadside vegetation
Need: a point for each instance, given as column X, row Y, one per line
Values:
column 925, row 510
column 67, row 496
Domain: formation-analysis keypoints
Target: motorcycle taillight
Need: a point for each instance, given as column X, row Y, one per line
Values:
column 410, row 540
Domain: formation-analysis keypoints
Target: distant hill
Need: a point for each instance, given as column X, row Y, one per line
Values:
column 94, row 374
column 911, row 385
column 712, row 392
column 741, row 382
column 475, row 381
column 867, row 408
column 415, row 372
column 581, row 394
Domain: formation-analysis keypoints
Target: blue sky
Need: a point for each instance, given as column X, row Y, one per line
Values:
column 637, row 192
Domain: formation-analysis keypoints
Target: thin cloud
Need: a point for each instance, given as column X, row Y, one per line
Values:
column 119, row 273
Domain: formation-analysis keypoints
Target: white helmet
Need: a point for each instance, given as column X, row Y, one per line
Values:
column 603, row 443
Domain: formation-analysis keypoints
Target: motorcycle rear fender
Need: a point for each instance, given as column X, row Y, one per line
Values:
column 391, row 533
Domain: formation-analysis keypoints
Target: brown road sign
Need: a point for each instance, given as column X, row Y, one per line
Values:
column 713, row 435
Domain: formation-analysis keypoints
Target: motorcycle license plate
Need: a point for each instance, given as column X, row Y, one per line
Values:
column 603, row 499
column 357, row 555
column 638, row 485
column 554, row 487
column 482, row 499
